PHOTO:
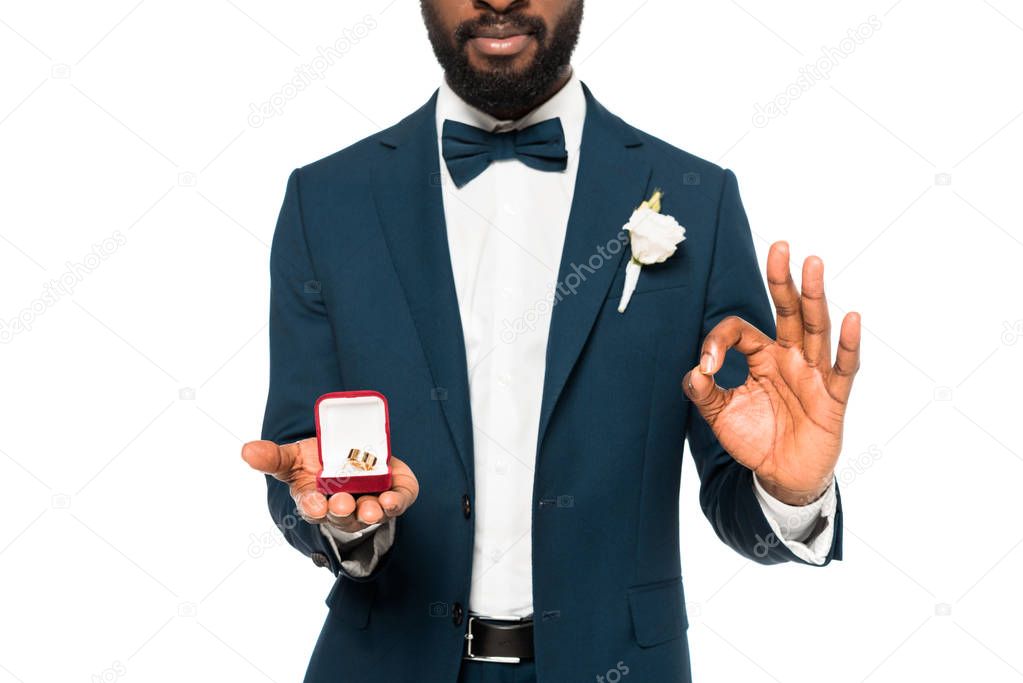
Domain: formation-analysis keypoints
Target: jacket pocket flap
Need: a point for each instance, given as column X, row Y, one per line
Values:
column 672, row 274
column 658, row 611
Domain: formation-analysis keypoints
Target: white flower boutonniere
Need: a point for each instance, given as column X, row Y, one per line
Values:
column 653, row 237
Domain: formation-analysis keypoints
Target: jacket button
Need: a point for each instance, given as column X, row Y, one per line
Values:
column 457, row 613
column 466, row 506
column 320, row 560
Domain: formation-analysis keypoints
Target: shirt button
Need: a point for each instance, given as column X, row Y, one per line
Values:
column 505, row 379
column 457, row 613
column 466, row 506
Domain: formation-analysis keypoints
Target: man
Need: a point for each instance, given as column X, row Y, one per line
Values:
column 469, row 263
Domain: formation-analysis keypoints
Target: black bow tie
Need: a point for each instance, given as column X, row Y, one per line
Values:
column 468, row 150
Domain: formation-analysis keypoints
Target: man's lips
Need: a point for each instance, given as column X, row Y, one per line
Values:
column 499, row 31
column 500, row 43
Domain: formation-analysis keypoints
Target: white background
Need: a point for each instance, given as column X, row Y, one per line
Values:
column 135, row 544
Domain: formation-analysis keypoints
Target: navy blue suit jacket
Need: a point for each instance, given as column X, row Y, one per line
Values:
column 362, row 297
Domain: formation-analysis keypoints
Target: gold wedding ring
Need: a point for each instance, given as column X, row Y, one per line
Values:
column 364, row 460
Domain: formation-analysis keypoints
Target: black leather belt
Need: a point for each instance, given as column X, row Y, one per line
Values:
column 499, row 640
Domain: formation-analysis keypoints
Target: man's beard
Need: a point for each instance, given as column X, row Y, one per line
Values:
column 502, row 89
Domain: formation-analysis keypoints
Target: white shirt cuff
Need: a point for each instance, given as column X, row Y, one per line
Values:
column 793, row 524
column 347, row 538
column 356, row 557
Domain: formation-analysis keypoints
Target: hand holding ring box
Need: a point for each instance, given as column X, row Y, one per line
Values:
column 354, row 439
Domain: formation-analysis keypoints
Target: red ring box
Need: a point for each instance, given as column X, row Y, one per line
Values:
column 347, row 420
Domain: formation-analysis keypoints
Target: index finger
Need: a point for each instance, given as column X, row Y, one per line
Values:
column 731, row 332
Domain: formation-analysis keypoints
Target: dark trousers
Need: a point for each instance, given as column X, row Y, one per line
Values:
column 492, row 672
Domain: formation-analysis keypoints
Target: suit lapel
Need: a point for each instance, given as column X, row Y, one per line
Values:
column 612, row 181
column 406, row 188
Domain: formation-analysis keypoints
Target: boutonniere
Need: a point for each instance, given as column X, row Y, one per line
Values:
column 653, row 237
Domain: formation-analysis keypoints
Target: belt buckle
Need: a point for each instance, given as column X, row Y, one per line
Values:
column 476, row 658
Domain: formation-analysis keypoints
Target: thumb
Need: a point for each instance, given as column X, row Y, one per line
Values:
column 709, row 398
column 268, row 458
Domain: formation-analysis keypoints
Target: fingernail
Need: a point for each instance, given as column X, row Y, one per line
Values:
column 706, row 363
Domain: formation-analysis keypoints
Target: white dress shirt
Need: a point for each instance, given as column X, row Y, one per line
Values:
column 506, row 229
